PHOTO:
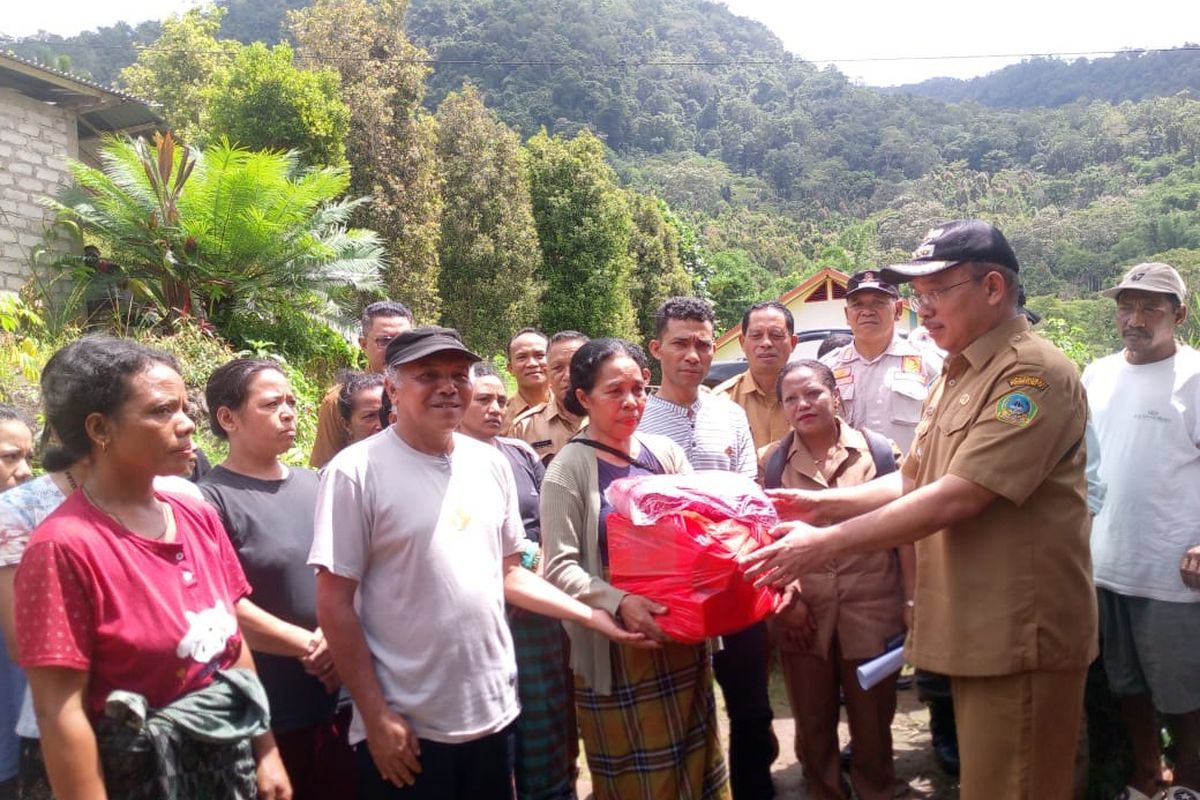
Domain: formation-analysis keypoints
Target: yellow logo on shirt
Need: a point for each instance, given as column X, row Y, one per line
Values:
column 460, row 518
column 911, row 364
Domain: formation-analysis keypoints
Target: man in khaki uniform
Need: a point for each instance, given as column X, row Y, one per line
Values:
column 528, row 366
column 381, row 322
column 768, row 337
column 993, row 493
column 548, row 426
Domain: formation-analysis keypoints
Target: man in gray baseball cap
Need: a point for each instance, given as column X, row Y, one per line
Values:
column 1144, row 401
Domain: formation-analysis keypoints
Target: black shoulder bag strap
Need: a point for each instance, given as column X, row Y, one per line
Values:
column 612, row 451
column 881, row 452
column 773, row 471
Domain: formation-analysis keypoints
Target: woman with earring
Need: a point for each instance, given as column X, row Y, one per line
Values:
column 125, row 602
column 267, row 509
column 647, row 715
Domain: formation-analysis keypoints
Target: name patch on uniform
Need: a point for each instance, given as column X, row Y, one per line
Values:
column 843, row 374
column 1016, row 409
column 542, row 445
column 1032, row 381
column 911, row 364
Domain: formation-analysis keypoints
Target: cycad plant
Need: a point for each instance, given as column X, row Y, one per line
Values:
column 193, row 232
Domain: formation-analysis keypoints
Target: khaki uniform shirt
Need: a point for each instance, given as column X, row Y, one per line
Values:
column 332, row 435
column 1009, row 590
column 546, row 428
column 516, row 406
column 885, row 394
column 860, row 598
column 763, row 409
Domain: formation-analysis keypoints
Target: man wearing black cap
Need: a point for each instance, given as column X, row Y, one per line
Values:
column 418, row 544
column 882, row 379
column 993, row 493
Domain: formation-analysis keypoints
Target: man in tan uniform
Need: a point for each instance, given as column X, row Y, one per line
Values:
column 993, row 493
column 527, row 364
column 548, row 426
column 381, row 322
column 768, row 337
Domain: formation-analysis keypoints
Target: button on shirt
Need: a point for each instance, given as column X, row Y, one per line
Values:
column 1010, row 589
column 860, row 597
column 884, row 394
column 713, row 432
column 546, row 428
column 763, row 409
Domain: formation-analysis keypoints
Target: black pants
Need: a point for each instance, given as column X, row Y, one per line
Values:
column 741, row 670
column 477, row 770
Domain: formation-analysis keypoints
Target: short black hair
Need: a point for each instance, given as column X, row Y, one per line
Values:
column 567, row 336
column 384, row 308
column 352, row 384
column 518, row 335
column 832, row 342
column 8, row 413
column 689, row 308
column 484, row 369
column 227, row 387
column 89, row 376
column 824, row 374
column 586, row 364
column 770, row 304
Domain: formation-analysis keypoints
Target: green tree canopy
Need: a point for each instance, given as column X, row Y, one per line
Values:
column 178, row 68
column 584, row 228
column 263, row 102
column 489, row 245
column 392, row 145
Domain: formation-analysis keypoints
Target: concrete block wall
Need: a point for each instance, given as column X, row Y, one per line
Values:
column 36, row 139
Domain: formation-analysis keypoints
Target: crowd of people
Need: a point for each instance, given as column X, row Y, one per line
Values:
column 429, row 611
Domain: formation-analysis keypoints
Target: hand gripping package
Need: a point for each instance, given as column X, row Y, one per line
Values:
column 676, row 539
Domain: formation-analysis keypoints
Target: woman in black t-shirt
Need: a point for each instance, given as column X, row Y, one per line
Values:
column 267, row 508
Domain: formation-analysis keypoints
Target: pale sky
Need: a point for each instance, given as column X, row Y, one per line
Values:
column 842, row 31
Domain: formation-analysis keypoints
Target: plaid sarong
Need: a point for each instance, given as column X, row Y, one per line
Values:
column 655, row 736
column 544, row 733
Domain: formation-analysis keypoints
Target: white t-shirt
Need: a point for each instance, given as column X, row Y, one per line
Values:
column 1147, row 419
column 425, row 537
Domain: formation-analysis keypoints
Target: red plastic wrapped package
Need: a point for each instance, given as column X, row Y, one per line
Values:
column 689, row 563
column 714, row 493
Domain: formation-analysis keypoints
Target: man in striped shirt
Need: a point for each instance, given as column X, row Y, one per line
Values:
column 714, row 433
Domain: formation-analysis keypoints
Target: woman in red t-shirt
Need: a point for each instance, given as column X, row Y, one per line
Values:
column 125, row 588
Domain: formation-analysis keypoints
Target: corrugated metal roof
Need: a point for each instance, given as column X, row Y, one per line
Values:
column 100, row 109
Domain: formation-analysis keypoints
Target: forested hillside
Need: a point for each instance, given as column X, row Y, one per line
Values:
column 774, row 168
column 1132, row 75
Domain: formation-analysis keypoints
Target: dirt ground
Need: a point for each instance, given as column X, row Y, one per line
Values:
column 917, row 774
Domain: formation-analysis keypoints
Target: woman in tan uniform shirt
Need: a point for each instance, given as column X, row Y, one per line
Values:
column 840, row 616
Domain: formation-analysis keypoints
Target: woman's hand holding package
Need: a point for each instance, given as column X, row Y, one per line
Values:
column 637, row 613
column 603, row 622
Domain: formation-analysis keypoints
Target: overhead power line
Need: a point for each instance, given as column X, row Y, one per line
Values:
column 635, row 64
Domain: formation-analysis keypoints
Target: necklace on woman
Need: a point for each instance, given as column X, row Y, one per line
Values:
column 120, row 521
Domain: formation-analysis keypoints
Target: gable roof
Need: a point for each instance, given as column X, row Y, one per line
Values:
column 98, row 109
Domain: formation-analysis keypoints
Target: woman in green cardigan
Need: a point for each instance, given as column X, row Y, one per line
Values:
column 647, row 714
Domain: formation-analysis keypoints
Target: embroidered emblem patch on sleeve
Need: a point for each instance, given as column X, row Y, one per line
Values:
column 1016, row 409
column 1032, row 381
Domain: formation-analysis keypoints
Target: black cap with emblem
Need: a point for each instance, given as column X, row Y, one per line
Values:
column 954, row 243
column 870, row 280
column 417, row 343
